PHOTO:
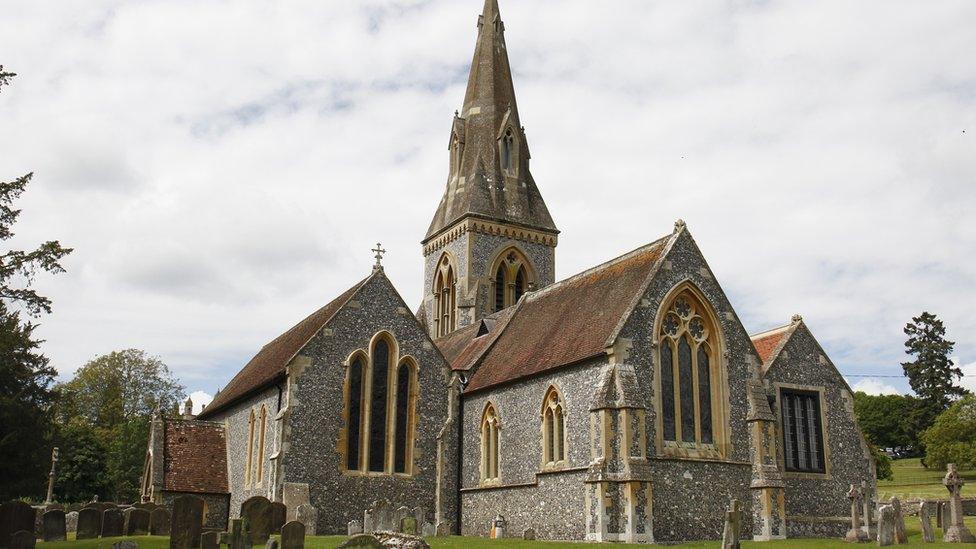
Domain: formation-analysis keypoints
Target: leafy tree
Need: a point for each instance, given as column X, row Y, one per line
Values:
column 882, row 418
column 115, row 395
column 932, row 374
column 83, row 470
column 952, row 438
column 882, row 463
column 25, row 375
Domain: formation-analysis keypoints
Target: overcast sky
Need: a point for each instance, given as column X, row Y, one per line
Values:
column 222, row 169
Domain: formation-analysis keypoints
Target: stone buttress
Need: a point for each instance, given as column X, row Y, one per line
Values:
column 618, row 484
column 768, row 487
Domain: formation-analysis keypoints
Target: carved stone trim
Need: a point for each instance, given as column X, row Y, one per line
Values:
column 482, row 226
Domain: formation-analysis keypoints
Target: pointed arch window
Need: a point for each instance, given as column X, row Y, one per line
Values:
column 553, row 430
column 455, row 155
column 512, row 278
column 261, row 435
column 509, row 153
column 489, row 445
column 380, row 410
column 250, row 448
column 691, row 384
column 445, row 298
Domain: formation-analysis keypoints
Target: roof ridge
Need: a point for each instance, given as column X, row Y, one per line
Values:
column 769, row 331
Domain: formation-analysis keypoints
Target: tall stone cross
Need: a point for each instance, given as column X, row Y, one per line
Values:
column 51, row 475
column 868, row 507
column 733, row 526
column 957, row 531
column 379, row 257
column 855, row 534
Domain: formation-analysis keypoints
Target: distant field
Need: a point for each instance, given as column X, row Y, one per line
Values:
column 914, row 481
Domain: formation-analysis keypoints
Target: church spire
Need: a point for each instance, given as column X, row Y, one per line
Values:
column 489, row 170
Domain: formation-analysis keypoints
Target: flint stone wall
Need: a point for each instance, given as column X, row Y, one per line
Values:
column 216, row 508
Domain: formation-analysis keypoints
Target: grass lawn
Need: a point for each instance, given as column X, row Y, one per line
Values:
column 914, row 481
column 330, row 542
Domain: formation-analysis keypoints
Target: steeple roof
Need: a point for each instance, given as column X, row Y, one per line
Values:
column 480, row 183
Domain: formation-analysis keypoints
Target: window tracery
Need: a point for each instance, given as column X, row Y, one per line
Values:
column 445, row 298
column 250, row 448
column 261, row 435
column 509, row 153
column 489, row 445
column 512, row 278
column 553, row 430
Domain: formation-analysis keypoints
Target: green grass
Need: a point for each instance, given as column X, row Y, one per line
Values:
column 330, row 542
column 912, row 481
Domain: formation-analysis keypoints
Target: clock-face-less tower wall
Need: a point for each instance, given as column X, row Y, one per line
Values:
column 492, row 238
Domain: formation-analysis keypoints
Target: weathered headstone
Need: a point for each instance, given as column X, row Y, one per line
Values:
column 71, row 521
column 901, row 536
column 925, row 513
column 362, row 541
column 309, row 516
column 210, row 540
column 147, row 505
column 293, row 535
column 22, row 539
column 54, row 526
column 940, row 507
column 408, row 525
column 428, row 530
column 956, row 531
column 186, row 522
column 529, row 534
column 401, row 541
column 136, row 522
column 112, row 523
column 886, row 525
column 257, row 514
column 89, row 523
column 354, row 528
column 732, row 531
column 236, row 535
column 294, row 494
column 443, row 528
column 271, row 544
column 279, row 514
column 125, row 544
column 368, row 527
column 159, row 522
column 14, row 517
column 498, row 527
column 856, row 533
column 398, row 515
column 382, row 514
column 868, row 510
column 420, row 515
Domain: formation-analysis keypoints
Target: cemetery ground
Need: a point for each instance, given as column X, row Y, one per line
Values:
column 912, row 480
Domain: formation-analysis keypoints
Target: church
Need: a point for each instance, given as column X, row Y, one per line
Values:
column 623, row 403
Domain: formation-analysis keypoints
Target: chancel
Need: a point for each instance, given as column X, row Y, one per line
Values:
column 628, row 398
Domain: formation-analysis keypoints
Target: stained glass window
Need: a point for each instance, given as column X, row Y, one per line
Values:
column 377, row 420
column 402, row 418
column 355, row 413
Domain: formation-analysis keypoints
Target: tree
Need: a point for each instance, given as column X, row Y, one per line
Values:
column 952, row 438
column 25, row 375
column 882, row 419
column 114, row 395
column 83, row 469
column 932, row 374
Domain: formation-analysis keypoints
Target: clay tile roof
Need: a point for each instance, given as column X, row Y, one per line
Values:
column 270, row 362
column 195, row 457
column 768, row 342
column 567, row 322
column 463, row 347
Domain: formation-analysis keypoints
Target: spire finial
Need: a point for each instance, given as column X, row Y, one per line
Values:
column 797, row 319
column 379, row 257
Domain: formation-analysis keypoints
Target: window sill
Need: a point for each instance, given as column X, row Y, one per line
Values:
column 806, row 475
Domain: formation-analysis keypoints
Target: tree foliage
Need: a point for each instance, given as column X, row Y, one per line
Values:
column 932, row 375
column 952, row 438
column 892, row 421
column 82, row 473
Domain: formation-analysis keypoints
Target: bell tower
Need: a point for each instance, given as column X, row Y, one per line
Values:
column 492, row 238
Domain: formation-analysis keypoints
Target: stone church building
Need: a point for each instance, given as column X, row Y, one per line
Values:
column 624, row 403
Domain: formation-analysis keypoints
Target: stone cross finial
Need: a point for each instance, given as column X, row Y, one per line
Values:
column 379, row 257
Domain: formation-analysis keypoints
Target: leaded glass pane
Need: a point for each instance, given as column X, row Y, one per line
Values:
column 667, row 390
column 355, row 414
column 704, row 395
column 377, row 421
column 500, row 288
column 519, row 284
column 686, row 391
column 402, row 415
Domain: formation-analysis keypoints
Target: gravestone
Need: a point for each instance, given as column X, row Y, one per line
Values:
column 309, row 516
column 159, row 522
column 54, row 526
column 279, row 515
column 89, row 523
column 443, row 529
column 112, row 523
column 257, row 515
column 293, row 495
column 271, row 544
column 368, row 522
column 498, row 527
column 148, row 506
column 125, row 544
column 733, row 526
column 382, row 515
column 14, row 517
column 293, row 535
column 856, row 533
column 354, row 528
column 136, row 522
column 210, row 540
column 362, row 541
column 22, row 539
column 925, row 512
column 428, row 530
column 408, row 525
column 420, row 515
column 868, row 509
column 886, row 525
column 236, row 535
column 71, row 521
column 529, row 534
column 401, row 541
column 901, row 536
column 956, row 531
column 186, row 522
column 398, row 515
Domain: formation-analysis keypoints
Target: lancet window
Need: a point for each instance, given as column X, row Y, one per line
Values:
column 380, row 409
column 553, row 430
column 445, row 298
column 512, row 278
column 489, row 445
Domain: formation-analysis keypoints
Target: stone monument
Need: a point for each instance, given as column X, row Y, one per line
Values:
column 956, row 532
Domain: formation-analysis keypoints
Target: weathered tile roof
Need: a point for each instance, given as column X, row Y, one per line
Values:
column 463, row 347
column 567, row 322
column 269, row 364
column 768, row 343
column 195, row 457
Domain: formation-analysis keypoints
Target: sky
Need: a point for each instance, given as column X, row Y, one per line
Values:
column 222, row 169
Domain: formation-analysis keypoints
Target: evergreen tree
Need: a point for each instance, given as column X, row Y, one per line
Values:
column 932, row 375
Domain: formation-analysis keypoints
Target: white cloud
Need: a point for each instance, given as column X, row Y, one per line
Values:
column 968, row 380
column 200, row 399
column 873, row 386
column 223, row 169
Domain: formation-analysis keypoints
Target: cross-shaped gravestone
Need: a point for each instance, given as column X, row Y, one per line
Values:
column 868, row 507
column 733, row 526
column 855, row 534
column 957, row 531
column 379, row 257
